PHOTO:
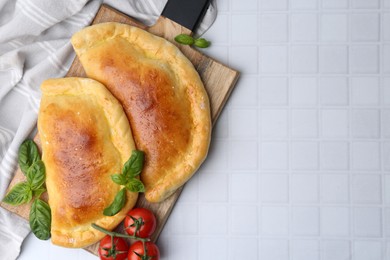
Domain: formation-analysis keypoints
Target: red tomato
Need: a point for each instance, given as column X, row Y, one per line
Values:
column 142, row 220
column 109, row 252
column 136, row 251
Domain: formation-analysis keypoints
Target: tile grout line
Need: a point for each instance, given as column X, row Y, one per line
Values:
column 350, row 157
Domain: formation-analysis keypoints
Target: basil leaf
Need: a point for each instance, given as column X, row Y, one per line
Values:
column 202, row 43
column 40, row 219
column 117, row 204
column 184, row 39
column 36, row 175
column 134, row 165
column 28, row 154
column 19, row 194
column 135, row 185
column 38, row 192
column 119, row 179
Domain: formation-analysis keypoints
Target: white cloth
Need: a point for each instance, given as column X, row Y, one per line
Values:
column 34, row 46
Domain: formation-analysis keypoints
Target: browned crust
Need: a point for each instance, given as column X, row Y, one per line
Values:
column 162, row 95
column 85, row 138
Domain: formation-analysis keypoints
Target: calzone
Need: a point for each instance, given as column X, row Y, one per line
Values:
column 162, row 95
column 85, row 137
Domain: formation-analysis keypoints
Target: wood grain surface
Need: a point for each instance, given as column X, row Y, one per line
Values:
column 218, row 79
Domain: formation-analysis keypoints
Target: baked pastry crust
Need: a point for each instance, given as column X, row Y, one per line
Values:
column 162, row 95
column 85, row 138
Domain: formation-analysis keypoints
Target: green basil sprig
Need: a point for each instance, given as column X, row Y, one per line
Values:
column 24, row 191
column 117, row 204
column 130, row 171
column 31, row 165
column 40, row 219
column 28, row 154
column 129, row 179
column 21, row 193
column 202, row 43
column 36, row 175
column 186, row 39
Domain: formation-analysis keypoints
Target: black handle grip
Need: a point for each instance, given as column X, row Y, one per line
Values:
column 187, row 13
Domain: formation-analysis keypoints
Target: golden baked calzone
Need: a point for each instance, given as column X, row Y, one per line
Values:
column 85, row 138
column 162, row 95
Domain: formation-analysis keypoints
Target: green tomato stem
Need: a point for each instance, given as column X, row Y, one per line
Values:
column 145, row 250
column 116, row 234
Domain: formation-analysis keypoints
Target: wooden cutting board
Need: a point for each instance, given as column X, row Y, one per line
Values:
column 218, row 79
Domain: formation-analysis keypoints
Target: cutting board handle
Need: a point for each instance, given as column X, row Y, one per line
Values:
column 187, row 13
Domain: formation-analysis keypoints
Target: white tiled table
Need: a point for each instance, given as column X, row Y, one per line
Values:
column 299, row 166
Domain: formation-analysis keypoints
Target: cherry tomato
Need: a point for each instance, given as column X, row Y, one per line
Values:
column 113, row 249
column 140, row 221
column 136, row 251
